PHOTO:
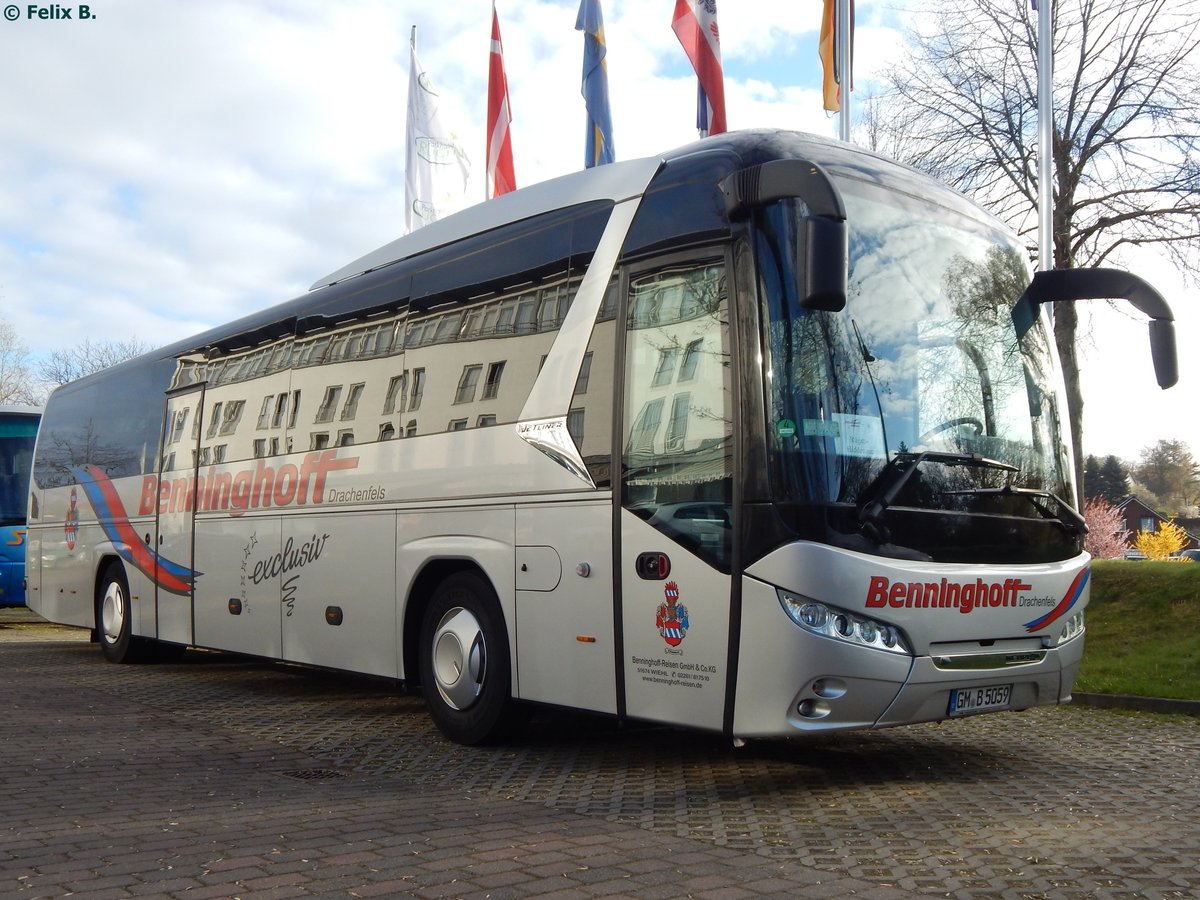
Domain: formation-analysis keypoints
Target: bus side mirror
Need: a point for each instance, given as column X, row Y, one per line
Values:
column 1163, row 352
column 824, row 285
column 1106, row 284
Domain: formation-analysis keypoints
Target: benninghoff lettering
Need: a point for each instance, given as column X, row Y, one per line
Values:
column 260, row 486
column 944, row 594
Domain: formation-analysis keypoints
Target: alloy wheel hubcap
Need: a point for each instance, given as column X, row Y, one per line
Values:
column 459, row 658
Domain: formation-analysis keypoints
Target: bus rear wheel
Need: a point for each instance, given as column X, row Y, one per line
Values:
column 114, row 616
column 114, row 624
column 466, row 671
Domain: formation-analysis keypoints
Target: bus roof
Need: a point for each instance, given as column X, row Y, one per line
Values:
column 615, row 182
column 619, row 181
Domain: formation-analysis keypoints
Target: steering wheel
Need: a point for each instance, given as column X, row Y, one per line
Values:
column 952, row 423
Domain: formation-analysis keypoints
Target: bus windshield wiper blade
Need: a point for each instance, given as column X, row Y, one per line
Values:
column 898, row 471
column 1071, row 521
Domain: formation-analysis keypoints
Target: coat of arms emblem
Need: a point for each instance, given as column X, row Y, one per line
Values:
column 672, row 617
column 71, row 521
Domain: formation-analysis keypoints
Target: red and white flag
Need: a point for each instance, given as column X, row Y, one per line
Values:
column 695, row 24
column 501, row 177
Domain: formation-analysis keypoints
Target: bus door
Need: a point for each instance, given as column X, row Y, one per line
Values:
column 174, row 569
column 676, row 534
column 248, row 406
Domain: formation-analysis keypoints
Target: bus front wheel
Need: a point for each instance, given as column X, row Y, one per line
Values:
column 466, row 673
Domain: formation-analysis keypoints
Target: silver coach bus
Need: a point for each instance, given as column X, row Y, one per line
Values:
column 763, row 436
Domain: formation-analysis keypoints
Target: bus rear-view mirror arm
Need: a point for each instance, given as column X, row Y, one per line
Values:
column 1106, row 284
column 825, row 235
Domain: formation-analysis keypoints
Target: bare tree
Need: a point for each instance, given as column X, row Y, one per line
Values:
column 85, row 358
column 1126, row 148
column 16, row 381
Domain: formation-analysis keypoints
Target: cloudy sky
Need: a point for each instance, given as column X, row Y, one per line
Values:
column 167, row 165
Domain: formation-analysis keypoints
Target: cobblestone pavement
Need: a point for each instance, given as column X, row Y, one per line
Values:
column 222, row 776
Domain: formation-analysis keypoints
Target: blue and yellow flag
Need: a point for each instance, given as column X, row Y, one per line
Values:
column 595, row 85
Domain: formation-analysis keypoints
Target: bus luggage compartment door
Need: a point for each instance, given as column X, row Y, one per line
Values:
column 565, row 628
column 337, row 591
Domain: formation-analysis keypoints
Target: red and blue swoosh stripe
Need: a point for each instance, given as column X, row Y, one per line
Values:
column 101, row 493
column 1074, row 592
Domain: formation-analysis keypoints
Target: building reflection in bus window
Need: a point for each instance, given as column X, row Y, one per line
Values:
column 678, row 462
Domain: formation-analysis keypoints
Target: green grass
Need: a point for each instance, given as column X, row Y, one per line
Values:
column 1143, row 630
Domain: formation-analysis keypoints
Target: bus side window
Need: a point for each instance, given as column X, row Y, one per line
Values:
column 485, row 312
column 246, row 408
column 125, row 442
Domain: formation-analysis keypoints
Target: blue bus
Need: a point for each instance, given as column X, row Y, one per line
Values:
column 18, row 431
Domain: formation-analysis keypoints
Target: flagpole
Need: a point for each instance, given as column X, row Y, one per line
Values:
column 1045, row 11
column 842, row 33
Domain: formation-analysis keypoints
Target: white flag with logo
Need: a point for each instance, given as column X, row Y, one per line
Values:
column 436, row 166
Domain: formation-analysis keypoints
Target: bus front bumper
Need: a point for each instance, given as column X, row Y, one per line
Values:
column 886, row 691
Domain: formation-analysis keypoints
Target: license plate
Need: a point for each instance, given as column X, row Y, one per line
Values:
column 965, row 701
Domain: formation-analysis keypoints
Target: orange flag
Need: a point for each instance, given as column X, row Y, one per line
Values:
column 827, row 48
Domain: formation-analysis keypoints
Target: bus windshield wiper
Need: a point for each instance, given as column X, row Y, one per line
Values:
column 1070, row 520
column 895, row 475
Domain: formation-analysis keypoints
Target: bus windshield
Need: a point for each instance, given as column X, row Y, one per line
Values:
column 17, row 433
column 915, row 423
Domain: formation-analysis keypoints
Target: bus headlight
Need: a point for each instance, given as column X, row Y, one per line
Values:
column 1071, row 629
column 831, row 622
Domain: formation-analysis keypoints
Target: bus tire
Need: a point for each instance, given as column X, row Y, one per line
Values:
column 114, row 616
column 466, row 672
